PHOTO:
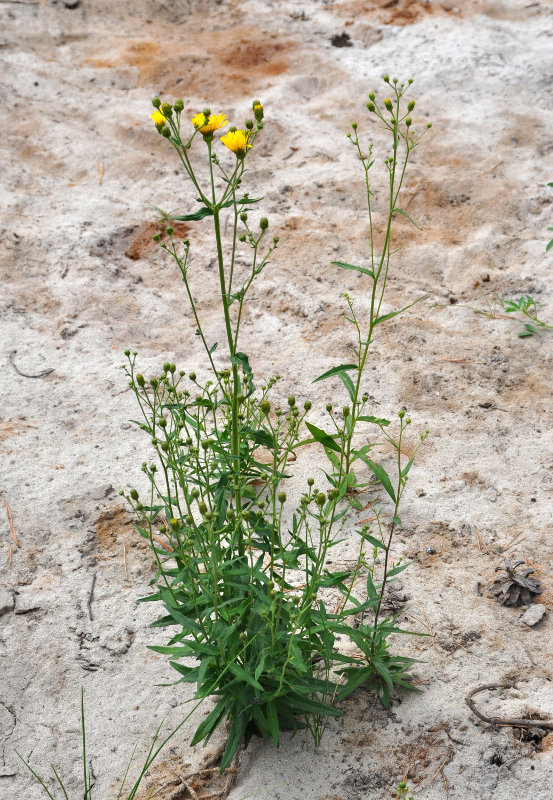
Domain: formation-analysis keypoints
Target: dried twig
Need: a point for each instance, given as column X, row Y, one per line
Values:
column 125, row 562
column 504, row 722
column 448, row 756
column 100, row 171
column 25, row 374
column 91, row 597
column 10, row 523
column 10, row 555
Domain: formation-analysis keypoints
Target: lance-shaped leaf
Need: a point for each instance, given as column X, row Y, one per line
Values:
column 384, row 317
column 324, row 438
column 335, row 371
column 354, row 267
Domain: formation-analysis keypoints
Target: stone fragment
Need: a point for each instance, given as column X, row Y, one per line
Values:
column 6, row 601
column 534, row 614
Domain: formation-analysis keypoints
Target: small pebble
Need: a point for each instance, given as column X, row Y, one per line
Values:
column 534, row 614
column 430, row 551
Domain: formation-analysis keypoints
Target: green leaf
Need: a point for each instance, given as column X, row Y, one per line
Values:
column 400, row 211
column 242, row 359
column 324, row 438
column 213, row 348
column 343, row 265
column 240, row 672
column 259, row 437
column 237, row 730
column 397, row 570
column 375, row 542
column 272, row 721
column 335, row 371
column 401, row 310
column 348, row 383
column 206, row 728
column 384, row 672
column 376, row 420
column 550, row 245
column 382, row 476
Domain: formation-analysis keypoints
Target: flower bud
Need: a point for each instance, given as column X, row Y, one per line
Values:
column 263, row 223
column 257, row 111
column 307, row 405
column 320, row 499
column 365, row 397
column 370, row 106
column 174, row 523
column 410, row 105
column 203, row 508
column 154, row 383
column 329, row 407
column 242, row 237
column 192, row 376
column 275, row 240
column 178, row 106
column 140, row 380
column 388, row 104
column 428, row 125
column 310, row 481
column 386, row 79
column 281, row 497
column 291, row 401
column 248, row 124
column 134, row 494
column 354, row 125
column 345, row 412
column 166, row 131
column 169, row 231
column 265, row 406
column 156, row 102
column 401, row 414
column 156, row 237
column 166, row 109
column 408, row 122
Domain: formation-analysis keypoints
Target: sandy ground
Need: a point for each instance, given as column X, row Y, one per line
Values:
column 82, row 169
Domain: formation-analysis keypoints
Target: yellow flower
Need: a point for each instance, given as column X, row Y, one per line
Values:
column 214, row 122
column 237, row 141
column 159, row 119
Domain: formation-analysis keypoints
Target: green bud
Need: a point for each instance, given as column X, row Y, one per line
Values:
column 169, row 231
column 428, row 125
column 242, row 237
column 205, row 444
column 248, row 124
column 307, row 405
column 127, row 352
column 178, row 106
column 410, row 105
column 154, row 383
column 195, row 492
column 140, row 380
column 162, row 423
column 401, row 414
column 134, row 494
column 165, row 131
column 354, row 125
column 386, row 79
column 365, row 397
column 291, row 401
column 282, row 497
column 243, row 216
column 156, row 102
column 203, row 508
column 371, row 95
column 189, row 520
column 310, row 481
column 275, row 240
column 192, row 376
column 174, row 523
column 156, row 237
column 370, row 106
column 165, row 447
column 263, row 223
column 166, row 109
column 265, row 406
column 329, row 407
column 388, row 104
column 346, row 412
column 320, row 499
column 408, row 122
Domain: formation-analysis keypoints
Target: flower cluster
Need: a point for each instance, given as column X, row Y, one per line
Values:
column 237, row 140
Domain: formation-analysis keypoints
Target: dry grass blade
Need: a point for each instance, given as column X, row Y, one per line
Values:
column 10, row 523
column 481, row 542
